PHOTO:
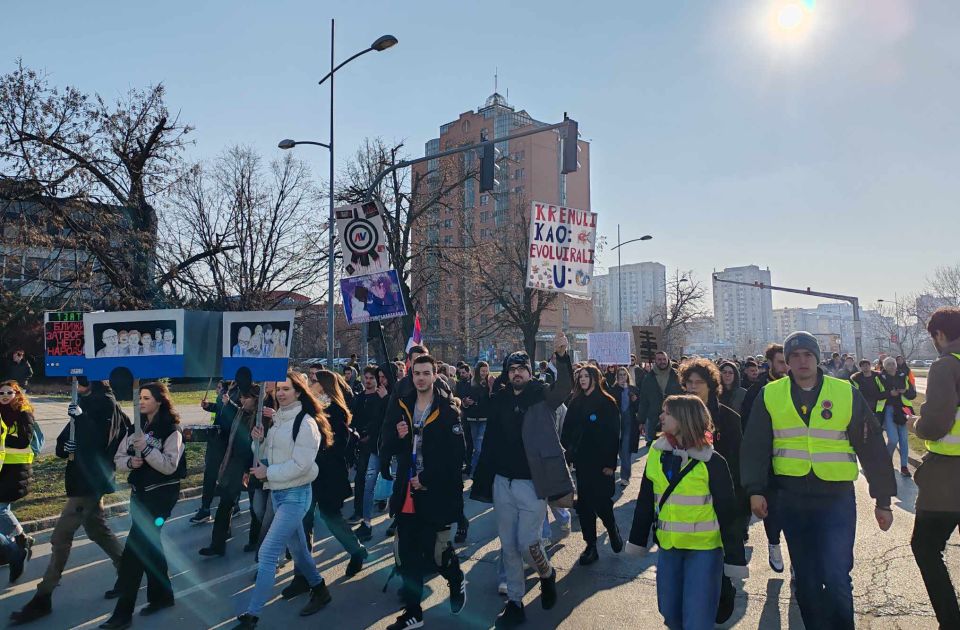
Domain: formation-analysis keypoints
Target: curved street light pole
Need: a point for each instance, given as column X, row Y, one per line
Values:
column 645, row 237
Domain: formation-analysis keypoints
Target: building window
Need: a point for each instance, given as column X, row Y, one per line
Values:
column 448, row 240
column 518, row 173
column 448, row 223
column 484, row 199
column 484, row 216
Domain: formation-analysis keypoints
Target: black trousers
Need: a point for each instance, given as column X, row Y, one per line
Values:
column 359, row 481
column 416, row 543
column 143, row 552
column 468, row 437
column 213, row 456
column 771, row 524
column 594, row 499
column 931, row 530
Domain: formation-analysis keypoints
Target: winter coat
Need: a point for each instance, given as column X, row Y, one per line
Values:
column 290, row 464
column 442, row 450
column 733, row 396
column 332, row 484
column 20, row 372
column 368, row 411
column 164, row 463
column 237, row 459
column 591, row 432
column 890, row 382
column 480, row 395
column 652, row 397
column 15, row 478
column 90, row 472
column 727, row 435
column 937, row 476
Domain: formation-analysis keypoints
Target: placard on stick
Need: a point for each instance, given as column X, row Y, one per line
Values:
column 612, row 348
column 63, row 343
column 648, row 342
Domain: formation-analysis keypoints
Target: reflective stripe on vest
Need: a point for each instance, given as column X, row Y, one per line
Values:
column 950, row 443
column 908, row 404
column 823, row 446
column 18, row 456
column 687, row 519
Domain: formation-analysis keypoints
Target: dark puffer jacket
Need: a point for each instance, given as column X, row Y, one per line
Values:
column 332, row 484
column 15, row 478
column 90, row 472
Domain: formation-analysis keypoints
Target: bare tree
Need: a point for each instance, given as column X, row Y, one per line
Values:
column 898, row 324
column 945, row 284
column 99, row 167
column 686, row 303
column 261, row 217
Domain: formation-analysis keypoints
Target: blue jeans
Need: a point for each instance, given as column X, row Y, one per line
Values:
column 820, row 531
column 477, row 430
column 519, row 523
column 688, row 587
column 9, row 524
column 560, row 515
column 626, row 459
column 369, row 486
column 286, row 531
column 896, row 433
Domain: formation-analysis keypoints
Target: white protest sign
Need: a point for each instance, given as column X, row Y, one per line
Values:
column 611, row 348
column 561, row 249
column 363, row 241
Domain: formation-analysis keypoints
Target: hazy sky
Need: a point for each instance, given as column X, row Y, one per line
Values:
column 816, row 141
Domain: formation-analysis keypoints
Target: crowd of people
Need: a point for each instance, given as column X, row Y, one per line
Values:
column 781, row 437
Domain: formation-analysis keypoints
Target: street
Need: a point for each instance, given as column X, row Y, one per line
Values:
column 616, row 592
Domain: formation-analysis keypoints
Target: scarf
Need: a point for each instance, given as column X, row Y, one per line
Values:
column 662, row 377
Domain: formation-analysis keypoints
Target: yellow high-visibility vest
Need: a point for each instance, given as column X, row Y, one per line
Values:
column 883, row 401
column 950, row 443
column 10, row 455
column 822, row 446
column 687, row 520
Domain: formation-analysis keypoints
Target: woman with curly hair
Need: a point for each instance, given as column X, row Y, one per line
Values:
column 16, row 470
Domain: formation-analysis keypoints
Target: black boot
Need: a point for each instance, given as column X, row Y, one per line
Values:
column 246, row 621
column 616, row 540
column 589, row 555
column 319, row 598
column 356, row 562
column 511, row 616
column 298, row 586
column 116, row 622
column 39, row 606
column 214, row 550
column 548, row 591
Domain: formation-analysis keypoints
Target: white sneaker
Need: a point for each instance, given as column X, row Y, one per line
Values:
column 775, row 558
column 502, row 588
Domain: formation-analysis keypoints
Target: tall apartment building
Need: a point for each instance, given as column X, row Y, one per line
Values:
column 453, row 319
column 643, row 294
column 600, row 296
column 744, row 314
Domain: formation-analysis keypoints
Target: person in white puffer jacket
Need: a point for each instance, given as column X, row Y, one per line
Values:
column 287, row 467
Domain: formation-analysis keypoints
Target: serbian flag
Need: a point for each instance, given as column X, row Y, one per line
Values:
column 417, row 337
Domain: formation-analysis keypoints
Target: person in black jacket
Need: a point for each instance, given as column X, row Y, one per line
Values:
column 18, row 368
column 476, row 406
column 427, row 491
column 225, row 410
column 732, row 394
column 368, row 411
column 591, row 438
column 628, row 401
column 89, row 476
column 867, row 381
column 777, row 369
column 659, row 383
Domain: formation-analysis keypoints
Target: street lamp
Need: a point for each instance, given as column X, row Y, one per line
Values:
column 645, row 237
column 381, row 43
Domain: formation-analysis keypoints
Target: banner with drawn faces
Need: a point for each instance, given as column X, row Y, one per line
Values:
column 148, row 343
column 259, row 341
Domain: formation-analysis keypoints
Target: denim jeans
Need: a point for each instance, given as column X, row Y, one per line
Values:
column 896, row 433
column 820, row 532
column 369, row 486
column 519, row 523
column 688, row 587
column 560, row 515
column 286, row 531
column 478, row 429
column 626, row 459
column 9, row 524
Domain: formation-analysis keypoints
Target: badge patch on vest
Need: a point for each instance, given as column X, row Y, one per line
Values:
column 826, row 414
column 593, row 417
column 457, row 429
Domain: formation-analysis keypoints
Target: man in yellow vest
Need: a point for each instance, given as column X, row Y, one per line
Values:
column 938, row 502
column 811, row 429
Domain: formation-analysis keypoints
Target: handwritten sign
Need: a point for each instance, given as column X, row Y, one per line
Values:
column 561, row 249
column 63, row 334
column 648, row 342
column 611, row 348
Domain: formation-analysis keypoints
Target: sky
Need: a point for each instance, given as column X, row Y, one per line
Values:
column 817, row 140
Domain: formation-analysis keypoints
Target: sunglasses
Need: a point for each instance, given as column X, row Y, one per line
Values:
column 8, row 393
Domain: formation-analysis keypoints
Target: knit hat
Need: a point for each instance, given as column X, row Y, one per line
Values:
column 516, row 358
column 801, row 340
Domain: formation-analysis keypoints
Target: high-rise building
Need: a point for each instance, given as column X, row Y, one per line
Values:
column 643, row 294
column 744, row 314
column 600, row 296
column 455, row 322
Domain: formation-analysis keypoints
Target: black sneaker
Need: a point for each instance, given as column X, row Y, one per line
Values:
column 213, row 551
column 298, row 586
column 155, row 607
column 407, row 621
column 589, row 555
column 246, row 621
column 364, row 532
column 319, row 598
column 548, row 591
column 356, row 563
column 392, row 529
column 113, row 593
column 616, row 540
column 461, row 536
column 511, row 616
column 17, row 559
column 458, row 596
column 202, row 516
column 355, row 518
column 117, row 623
column 39, row 606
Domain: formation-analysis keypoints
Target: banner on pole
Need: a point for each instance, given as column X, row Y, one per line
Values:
column 259, row 341
column 612, row 348
column 63, row 343
column 363, row 241
column 372, row 297
column 648, row 341
column 561, row 249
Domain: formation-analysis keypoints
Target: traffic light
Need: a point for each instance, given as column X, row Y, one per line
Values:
column 570, row 147
column 489, row 168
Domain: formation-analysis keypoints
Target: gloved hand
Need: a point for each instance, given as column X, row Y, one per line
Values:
column 69, row 446
column 74, row 410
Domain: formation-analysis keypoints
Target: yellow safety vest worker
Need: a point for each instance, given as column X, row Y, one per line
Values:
column 687, row 520
column 12, row 455
column 822, row 446
column 883, row 401
column 950, row 443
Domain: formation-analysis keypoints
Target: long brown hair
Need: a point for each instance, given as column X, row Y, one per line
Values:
column 161, row 393
column 692, row 416
column 311, row 405
column 333, row 388
column 20, row 401
column 596, row 379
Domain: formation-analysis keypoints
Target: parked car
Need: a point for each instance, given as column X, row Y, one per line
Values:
column 918, row 363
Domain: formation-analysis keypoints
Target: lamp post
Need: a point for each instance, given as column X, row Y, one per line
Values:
column 381, row 43
column 645, row 237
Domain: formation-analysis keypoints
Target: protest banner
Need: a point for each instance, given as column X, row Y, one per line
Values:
column 63, row 343
column 360, row 230
column 372, row 297
column 561, row 249
column 648, row 341
column 259, row 341
column 612, row 348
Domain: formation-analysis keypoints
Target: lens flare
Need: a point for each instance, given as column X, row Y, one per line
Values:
column 159, row 521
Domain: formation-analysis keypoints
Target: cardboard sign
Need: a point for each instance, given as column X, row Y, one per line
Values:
column 373, row 297
column 562, row 241
column 611, row 348
column 259, row 341
column 648, row 341
column 362, row 239
column 63, row 343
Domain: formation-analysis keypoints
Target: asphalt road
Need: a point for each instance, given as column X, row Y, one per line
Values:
column 617, row 592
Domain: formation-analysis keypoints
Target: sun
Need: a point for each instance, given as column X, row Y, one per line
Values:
column 789, row 21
